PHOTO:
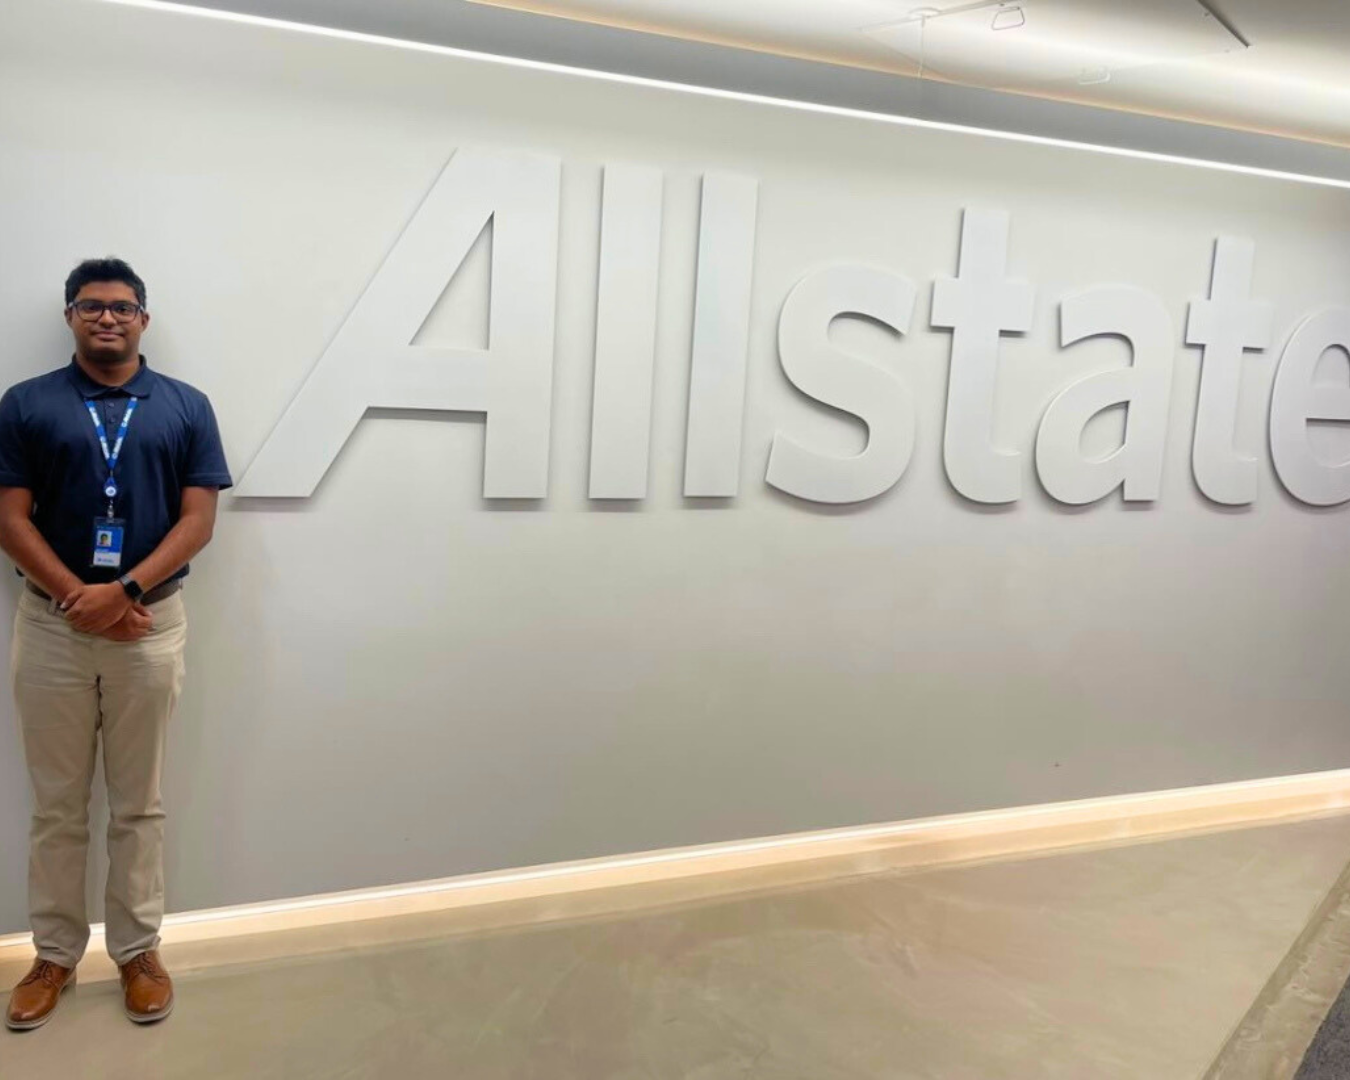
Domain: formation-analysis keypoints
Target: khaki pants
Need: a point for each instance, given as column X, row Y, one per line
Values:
column 68, row 687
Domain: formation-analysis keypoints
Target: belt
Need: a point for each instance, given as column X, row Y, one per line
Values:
column 154, row 596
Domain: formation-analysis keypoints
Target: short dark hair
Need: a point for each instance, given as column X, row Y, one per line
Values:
column 109, row 269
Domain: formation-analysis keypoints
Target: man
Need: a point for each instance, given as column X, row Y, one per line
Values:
column 109, row 476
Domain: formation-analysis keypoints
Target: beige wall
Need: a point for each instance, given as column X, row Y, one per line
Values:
column 394, row 680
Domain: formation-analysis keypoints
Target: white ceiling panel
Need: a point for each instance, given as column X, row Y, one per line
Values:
column 1038, row 45
column 1161, row 57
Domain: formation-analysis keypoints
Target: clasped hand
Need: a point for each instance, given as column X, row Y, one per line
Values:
column 107, row 611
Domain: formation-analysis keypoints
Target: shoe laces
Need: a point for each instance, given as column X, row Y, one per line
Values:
column 144, row 965
column 44, row 971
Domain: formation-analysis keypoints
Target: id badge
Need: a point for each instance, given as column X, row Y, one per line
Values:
column 108, row 535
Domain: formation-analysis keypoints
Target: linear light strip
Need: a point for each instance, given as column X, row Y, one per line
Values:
column 1297, row 786
column 714, row 92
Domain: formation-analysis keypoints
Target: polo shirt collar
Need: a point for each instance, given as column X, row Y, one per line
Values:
column 139, row 385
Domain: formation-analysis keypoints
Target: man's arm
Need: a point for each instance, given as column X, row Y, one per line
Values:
column 21, row 541
column 95, row 608
column 31, row 553
column 196, row 525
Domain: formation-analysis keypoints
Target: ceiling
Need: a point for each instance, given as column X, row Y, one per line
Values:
column 1273, row 66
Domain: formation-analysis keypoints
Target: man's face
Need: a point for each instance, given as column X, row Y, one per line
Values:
column 110, row 337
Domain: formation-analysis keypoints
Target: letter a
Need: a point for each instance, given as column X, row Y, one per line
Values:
column 372, row 362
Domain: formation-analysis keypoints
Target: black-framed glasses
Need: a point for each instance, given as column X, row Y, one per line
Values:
column 124, row 311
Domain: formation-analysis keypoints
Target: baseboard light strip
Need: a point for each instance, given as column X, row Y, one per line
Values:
column 926, row 842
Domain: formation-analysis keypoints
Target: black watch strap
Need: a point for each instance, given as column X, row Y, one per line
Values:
column 131, row 586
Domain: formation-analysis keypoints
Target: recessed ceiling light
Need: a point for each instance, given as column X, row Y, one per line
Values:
column 1009, row 17
column 1052, row 43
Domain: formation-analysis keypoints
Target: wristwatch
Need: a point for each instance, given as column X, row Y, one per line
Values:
column 131, row 586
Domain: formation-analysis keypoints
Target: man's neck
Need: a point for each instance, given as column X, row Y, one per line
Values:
column 110, row 374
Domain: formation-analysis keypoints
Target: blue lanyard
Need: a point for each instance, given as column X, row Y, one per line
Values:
column 111, row 455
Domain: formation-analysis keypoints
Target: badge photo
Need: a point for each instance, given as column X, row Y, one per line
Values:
column 108, row 536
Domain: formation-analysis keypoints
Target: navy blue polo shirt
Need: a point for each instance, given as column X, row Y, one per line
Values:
column 48, row 444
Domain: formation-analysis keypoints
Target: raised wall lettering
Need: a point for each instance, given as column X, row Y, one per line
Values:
column 978, row 307
column 371, row 363
column 822, row 371
column 1226, row 324
column 1145, row 388
column 1296, row 399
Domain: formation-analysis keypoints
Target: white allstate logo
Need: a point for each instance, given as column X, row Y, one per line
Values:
column 371, row 363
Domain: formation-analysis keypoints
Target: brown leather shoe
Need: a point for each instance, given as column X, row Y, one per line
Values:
column 147, row 987
column 36, row 997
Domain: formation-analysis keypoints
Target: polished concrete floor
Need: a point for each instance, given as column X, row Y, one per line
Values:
column 1137, row 961
column 1307, row 992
